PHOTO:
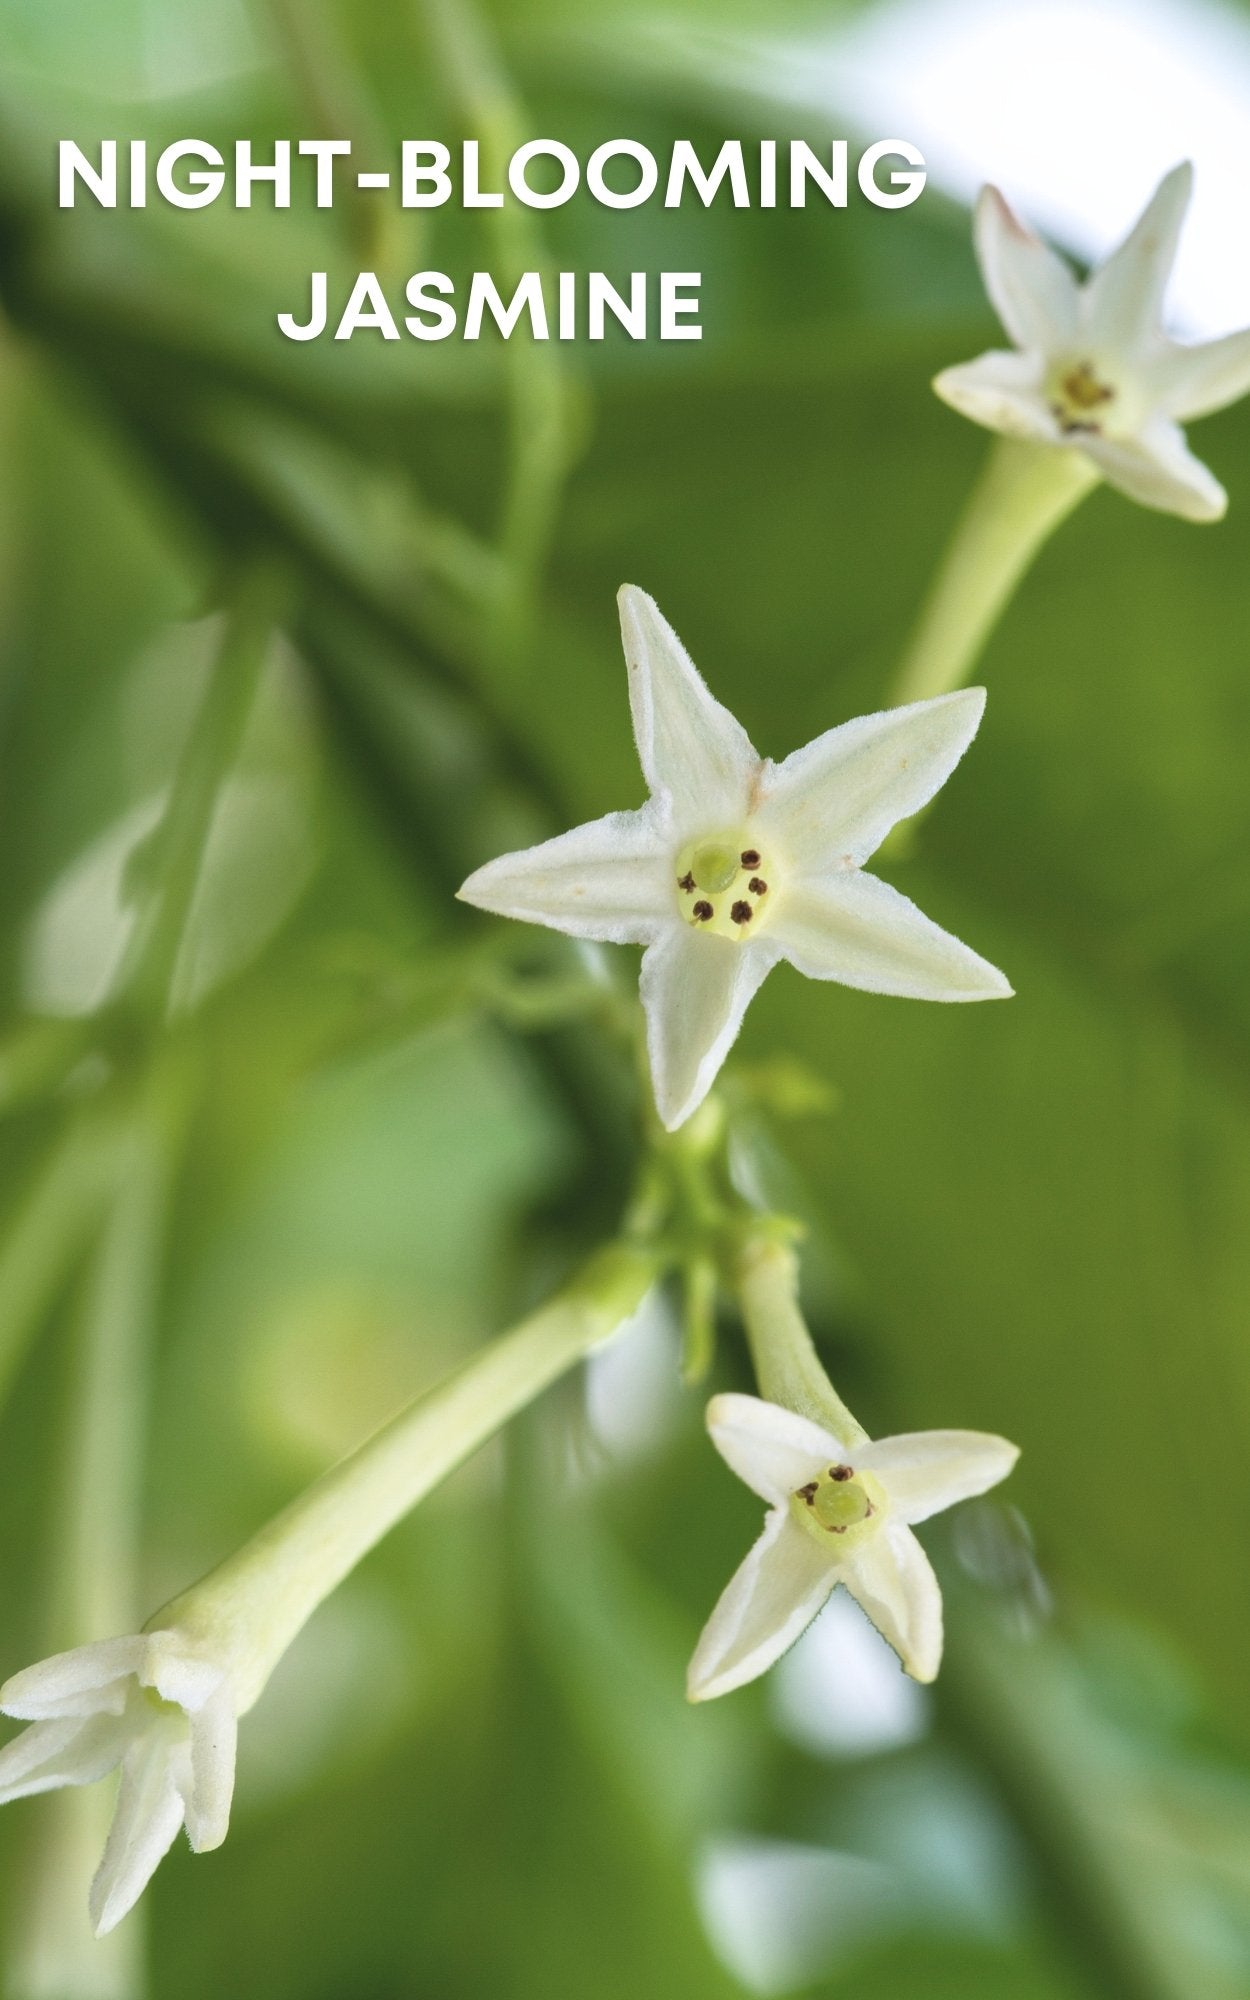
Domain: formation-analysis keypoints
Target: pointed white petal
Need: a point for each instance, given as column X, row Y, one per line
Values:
column 1003, row 391
column 774, row 1450
column 694, row 752
column 768, row 1602
column 892, row 1578
column 611, row 879
column 1123, row 301
column 148, row 1815
column 1031, row 289
column 1193, row 381
column 695, row 990
column 1158, row 469
column 206, row 1799
column 834, row 801
column 72, row 1750
column 925, row 1471
column 82, row 1682
column 178, row 1674
column 860, row 931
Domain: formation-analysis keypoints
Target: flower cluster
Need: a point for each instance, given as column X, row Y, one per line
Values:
column 733, row 864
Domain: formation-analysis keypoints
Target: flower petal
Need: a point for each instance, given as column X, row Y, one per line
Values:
column 925, row 1471
column 1122, row 302
column 206, row 1798
column 695, row 990
column 694, row 753
column 86, row 1681
column 71, row 1750
column 1158, row 469
column 1031, row 289
column 1193, row 381
column 145, row 1822
column 855, row 929
column 892, row 1579
column 1003, row 391
column 834, row 801
column 773, row 1449
column 767, row 1603
column 611, row 879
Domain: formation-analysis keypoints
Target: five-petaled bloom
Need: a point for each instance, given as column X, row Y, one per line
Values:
column 839, row 1512
column 158, row 1708
column 1095, row 371
column 736, row 862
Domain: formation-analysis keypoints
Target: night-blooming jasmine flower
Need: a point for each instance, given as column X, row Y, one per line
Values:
column 735, row 862
column 1094, row 370
column 839, row 1512
column 164, row 1704
column 151, row 1704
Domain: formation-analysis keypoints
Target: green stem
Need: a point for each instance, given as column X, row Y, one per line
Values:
column 787, row 1366
column 177, row 848
column 541, row 406
column 1023, row 494
column 339, row 106
column 52, row 1954
column 48, row 1233
column 250, row 1608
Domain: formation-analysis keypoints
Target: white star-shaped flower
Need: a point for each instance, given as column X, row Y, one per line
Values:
column 1094, row 369
column 736, row 862
column 838, row 1513
column 151, row 1704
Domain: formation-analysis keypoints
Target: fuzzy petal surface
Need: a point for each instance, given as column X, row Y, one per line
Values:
column 147, row 1818
column 610, row 880
column 695, row 990
column 833, row 802
column 1004, row 392
column 71, row 1750
column 1158, row 469
column 858, row 930
column 766, row 1605
column 1194, row 381
column 206, row 1801
column 773, row 1450
column 1032, row 290
column 1123, row 300
column 81, row 1682
column 926, row 1471
column 695, row 755
column 892, row 1580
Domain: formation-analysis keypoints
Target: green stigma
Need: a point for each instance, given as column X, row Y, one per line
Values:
column 1080, row 400
column 841, row 1507
column 724, row 883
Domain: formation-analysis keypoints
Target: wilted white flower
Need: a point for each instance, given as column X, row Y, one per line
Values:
column 735, row 862
column 161, row 1710
column 1094, row 370
column 838, row 1513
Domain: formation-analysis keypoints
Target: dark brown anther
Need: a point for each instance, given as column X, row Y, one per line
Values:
column 704, row 912
column 808, row 1492
column 750, row 859
column 757, row 887
column 686, row 882
column 741, row 913
column 841, row 1472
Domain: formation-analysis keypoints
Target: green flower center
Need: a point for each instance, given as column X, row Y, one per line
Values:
column 725, row 884
column 841, row 1508
column 1081, row 399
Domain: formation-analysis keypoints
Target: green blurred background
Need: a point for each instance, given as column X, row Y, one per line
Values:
column 379, row 1141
